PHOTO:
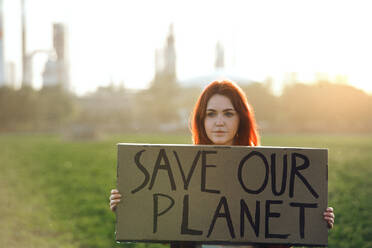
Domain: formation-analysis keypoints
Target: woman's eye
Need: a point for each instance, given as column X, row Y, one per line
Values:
column 211, row 114
column 229, row 114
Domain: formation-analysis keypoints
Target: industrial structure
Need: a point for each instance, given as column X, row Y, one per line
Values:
column 165, row 64
column 2, row 61
column 220, row 72
column 56, row 71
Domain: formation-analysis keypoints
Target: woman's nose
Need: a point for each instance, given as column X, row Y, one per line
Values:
column 219, row 121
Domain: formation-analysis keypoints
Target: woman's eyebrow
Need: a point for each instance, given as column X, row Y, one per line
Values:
column 228, row 109
column 225, row 110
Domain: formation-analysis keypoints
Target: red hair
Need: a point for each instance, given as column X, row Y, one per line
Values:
column 247, row 133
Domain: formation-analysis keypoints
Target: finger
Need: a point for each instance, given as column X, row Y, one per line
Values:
column 330, row 225
column 329, row 219
column 330, row 222
column 330, row 214
column 329, row 209
column 115, row 202
column 114, row 191
column 115, row 196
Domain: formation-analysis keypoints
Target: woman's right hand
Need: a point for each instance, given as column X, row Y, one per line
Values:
column 115, row 198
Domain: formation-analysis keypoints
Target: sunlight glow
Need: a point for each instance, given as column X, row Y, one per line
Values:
column 115, row 40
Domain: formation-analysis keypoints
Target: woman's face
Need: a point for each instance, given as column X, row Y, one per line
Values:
column 222, row 121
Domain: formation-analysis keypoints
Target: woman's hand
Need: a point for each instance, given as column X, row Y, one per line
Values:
column 329, row 216
column 115, row 198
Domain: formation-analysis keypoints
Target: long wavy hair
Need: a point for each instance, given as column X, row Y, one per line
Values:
column 247, row 133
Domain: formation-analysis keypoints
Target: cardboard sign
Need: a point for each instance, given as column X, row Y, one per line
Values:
column 222, row 194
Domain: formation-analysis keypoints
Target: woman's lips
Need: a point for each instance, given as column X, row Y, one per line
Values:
column 219, row 132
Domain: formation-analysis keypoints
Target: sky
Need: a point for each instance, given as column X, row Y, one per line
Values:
column 115, row 40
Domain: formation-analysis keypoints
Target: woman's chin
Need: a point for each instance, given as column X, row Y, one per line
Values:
column 222, row 142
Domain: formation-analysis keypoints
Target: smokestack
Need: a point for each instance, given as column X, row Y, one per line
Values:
column 2, row 70
column 25, row 67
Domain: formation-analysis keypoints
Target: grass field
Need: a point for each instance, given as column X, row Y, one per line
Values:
column 54, row 192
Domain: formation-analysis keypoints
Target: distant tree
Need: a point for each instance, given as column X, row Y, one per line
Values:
column 326, row 106
column 55, row 106
column 18, row 108
column 264, row 102
column 7, row 107
column 161, row 100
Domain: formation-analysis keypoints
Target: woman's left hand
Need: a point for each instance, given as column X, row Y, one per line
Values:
column 329, row 216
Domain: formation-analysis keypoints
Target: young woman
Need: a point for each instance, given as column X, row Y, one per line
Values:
column 222, row 116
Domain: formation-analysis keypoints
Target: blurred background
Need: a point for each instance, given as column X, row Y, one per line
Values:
column 96, row 67
column 77, row 77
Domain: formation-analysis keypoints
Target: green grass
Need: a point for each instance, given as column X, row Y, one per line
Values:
column 54, row 192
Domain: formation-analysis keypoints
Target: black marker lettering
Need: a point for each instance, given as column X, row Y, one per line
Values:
column 156, row 210
column 204, row 172
column 166, row 166
column 244, row 210
column 185, row 219
column 269, row 214
column 225, row 214
column 144, row 171
column 273, row 175
column 242, row 163
column 302, row 207
column 194, row 163
column 295, row 172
